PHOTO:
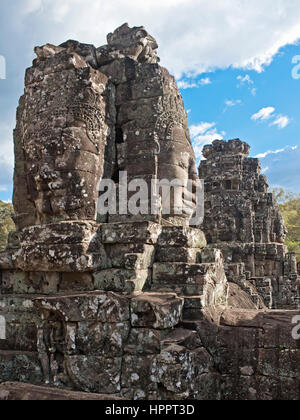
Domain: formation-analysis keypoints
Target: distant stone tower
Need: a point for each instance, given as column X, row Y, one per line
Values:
column 243, row 220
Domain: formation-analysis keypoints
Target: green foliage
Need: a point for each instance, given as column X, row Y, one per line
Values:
column 289, row 204
column 6, row 223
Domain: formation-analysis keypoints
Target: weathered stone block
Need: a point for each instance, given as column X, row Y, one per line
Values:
column 11, row 280
column 154, row 310
column 98, row 306
column 143, row 341
column 95, row 373
column 136, row 374
column 182, row 337
column 181, row 273
column 121, row 280
column 124, row 233
column 76, row 282
column 60, row 258
column 211, row 255
column 21, row 333
column 59, row 233
column 182, row 237
column 55, row 63
column 135, row 256
column 192, row 314
column 177, row 369
column 96, row 338
column 20, row 366
column 43, row 282
column 178, row 254
column 16, row 391
column 17, row 304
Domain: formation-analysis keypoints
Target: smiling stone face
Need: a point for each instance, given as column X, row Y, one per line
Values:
column 61, row 137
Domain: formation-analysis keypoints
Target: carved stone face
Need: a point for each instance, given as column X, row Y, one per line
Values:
column 69, row 115
column 63, row 130
column 177, row 162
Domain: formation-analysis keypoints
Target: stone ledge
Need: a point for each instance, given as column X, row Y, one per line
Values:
column 182, row 237
column 15, row 391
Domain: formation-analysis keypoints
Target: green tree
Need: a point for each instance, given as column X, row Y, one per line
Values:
column 6, row 223
column 289, row 204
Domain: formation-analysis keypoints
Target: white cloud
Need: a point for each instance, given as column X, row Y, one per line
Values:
column 205, row 81
column 263, row 114
column 202, row 134
column 194, row 36
column 200, row 128
column 184, row 84
column 248, row 82
column 245, row 80
column 189, row 84
column 231, row 103
column 265, row 170
column 275, row 152
column 282, row 121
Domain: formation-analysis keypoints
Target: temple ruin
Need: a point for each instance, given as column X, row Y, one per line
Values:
column 243, row 220
column 148, row 305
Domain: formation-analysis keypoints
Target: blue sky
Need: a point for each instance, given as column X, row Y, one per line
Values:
column 228, row 100
column 232, row 59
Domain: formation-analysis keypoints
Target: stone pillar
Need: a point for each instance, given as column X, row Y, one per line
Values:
column 153, row 141
column 64, row 141
column 241, row 217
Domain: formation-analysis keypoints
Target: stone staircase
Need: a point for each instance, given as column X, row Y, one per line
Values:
column 185, row 266
column 144, row 256
column 255, row 288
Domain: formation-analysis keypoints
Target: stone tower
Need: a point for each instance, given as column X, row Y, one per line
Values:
column 243, row 220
